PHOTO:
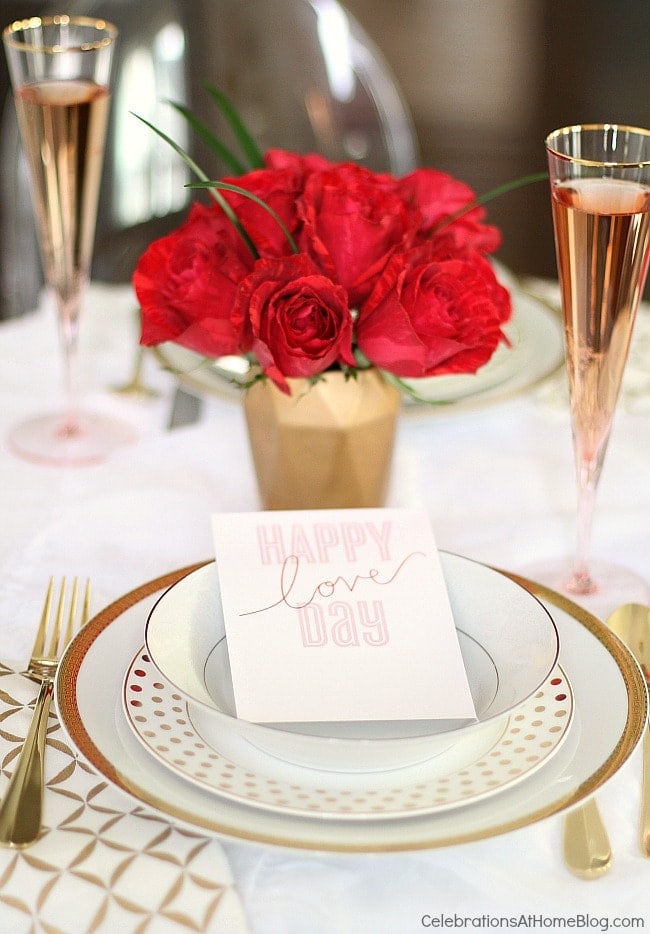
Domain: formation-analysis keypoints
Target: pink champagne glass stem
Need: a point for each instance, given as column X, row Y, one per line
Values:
column 68, row 310
column 581, row 581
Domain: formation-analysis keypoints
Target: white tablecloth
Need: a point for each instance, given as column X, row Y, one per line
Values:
column 497, row 483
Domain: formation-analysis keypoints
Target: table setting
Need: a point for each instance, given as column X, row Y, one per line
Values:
column 417, row 724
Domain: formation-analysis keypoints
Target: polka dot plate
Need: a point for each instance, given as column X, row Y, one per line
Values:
column 183, row 738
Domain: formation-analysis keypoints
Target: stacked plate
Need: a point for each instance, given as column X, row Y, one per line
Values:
column 167, row 731
column 506, row 665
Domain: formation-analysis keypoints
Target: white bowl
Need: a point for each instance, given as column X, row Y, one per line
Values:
column 508, row 640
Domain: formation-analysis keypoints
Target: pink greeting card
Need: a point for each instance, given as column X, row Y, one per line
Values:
column 337, row 615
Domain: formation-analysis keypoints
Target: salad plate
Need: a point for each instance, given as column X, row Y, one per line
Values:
column 180, row 736
column 610, row 710
column 508, row 640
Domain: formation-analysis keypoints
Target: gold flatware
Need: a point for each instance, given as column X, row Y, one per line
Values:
column 135, row 386
column 21, row 808
column 631, row 623
column 587, row 851
column 186, row 409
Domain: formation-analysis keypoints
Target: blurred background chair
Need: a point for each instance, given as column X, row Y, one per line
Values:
column 302, row 73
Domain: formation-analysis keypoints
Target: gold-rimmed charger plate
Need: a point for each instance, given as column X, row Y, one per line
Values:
column 610, row 714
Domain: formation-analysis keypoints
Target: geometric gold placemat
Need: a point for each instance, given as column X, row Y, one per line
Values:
column 102, row 862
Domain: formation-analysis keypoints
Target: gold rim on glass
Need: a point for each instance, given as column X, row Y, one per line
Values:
column 595, row 163
column 34, row 22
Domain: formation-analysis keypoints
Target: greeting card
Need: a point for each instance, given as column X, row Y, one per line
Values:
column 337, row 615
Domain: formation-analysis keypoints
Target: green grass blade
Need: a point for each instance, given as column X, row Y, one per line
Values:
column 249, row 147
column 221, row 201
column 226, row 186
column 229, row 159
column 187, row 159
column 408, row 390
column 494, row 193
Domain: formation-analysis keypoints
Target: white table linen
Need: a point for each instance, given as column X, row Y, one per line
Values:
column 497, row 483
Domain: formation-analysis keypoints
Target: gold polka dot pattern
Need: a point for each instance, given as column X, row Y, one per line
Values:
column 496, row 757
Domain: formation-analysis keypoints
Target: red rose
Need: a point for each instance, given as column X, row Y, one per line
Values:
column 295, row 320
column 304, row 164
column 186, row 284
column 353, row 221
column 427, row 300
column 436, row 195
column 280, row 190
column 429, row 317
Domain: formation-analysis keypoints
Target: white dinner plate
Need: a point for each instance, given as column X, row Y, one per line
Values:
column 610, row 713
column 536, row 350
column 183, row 738
column 509, row 644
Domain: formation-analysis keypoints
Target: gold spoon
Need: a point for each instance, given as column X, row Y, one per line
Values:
column 135, row 386
column 587, row 851
column 631, row 623
column 586, row 846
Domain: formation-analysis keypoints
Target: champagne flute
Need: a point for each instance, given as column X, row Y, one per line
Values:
column 60, row 70
column 600, row 196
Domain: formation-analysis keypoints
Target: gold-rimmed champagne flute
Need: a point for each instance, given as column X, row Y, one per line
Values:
column 600, row 196
column 60, row 73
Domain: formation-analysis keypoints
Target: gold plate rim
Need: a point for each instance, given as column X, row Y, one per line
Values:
column 69, row 711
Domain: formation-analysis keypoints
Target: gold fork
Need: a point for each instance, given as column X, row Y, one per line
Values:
column 21, row 808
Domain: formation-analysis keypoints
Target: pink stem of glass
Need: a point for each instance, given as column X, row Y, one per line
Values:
column 69, row 330
column 588, row 474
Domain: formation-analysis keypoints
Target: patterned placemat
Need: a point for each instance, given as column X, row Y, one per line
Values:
column 103, row 862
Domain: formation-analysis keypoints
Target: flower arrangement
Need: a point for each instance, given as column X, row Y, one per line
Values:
column 304, row 266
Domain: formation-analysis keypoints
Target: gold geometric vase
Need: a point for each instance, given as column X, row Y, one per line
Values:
column 327, row 445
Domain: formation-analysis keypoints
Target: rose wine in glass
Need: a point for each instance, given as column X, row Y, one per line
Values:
column 600, row 196
column 60, row 69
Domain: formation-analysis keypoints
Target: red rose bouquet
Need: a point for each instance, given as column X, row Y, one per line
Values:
column 305, row 266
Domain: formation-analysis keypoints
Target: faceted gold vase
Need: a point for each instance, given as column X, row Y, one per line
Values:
column 327, row 445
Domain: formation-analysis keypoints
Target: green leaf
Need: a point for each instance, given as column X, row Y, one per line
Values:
column 408, row 390
column 494, row 193
column 512, row 186
column 235, row 165
column 237, row 125
column 226, row 186
column 187, row 159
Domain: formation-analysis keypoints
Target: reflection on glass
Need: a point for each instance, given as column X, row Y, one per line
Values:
column 333, row 29
column 151, row 177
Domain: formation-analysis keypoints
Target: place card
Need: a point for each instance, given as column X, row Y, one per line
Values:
column 335, row 615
